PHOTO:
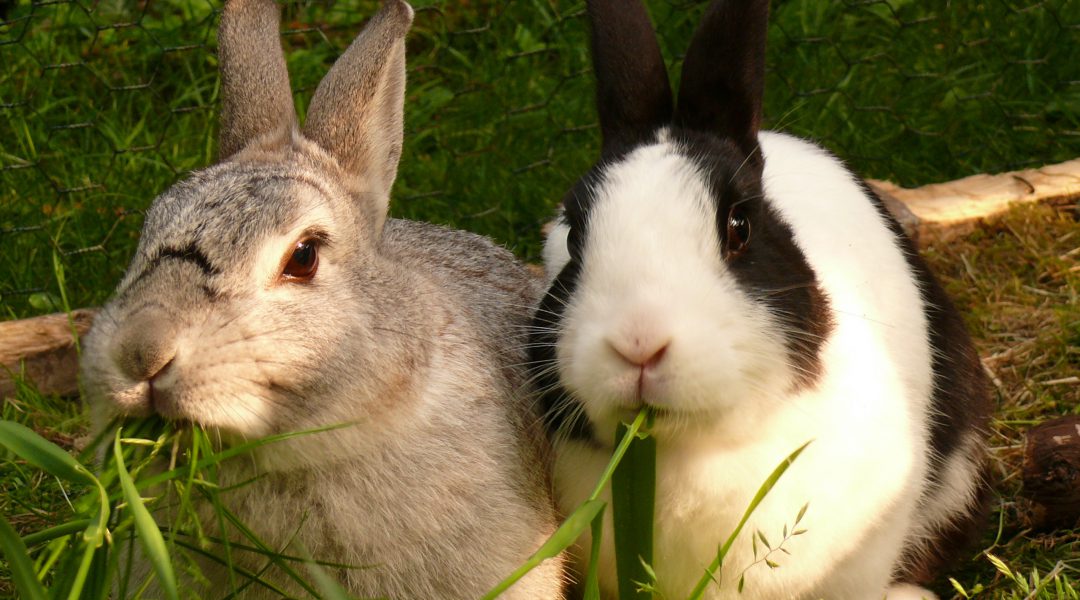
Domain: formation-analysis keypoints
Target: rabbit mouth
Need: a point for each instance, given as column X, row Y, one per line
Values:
column 659, row 412
column 668, row 420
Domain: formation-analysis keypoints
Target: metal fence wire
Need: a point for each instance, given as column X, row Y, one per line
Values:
column 104, row 103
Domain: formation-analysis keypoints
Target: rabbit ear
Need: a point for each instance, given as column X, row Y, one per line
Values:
column 633, row 96
column 723, row 76
column 356, row 113
column 256, row 100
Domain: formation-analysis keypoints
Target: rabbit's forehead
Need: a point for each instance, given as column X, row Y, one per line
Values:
column 237, row 211
column 649, row 208
column 227, row 224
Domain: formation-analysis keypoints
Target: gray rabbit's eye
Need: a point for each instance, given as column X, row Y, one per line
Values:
column 303, row 262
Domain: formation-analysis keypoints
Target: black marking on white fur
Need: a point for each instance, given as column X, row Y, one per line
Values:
column 959, row 409
column 923, row 563
column 772, row 269
column 961, row 400
column 556, row 403
column 561, row 413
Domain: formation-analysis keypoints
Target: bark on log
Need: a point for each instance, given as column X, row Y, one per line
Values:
column 1052, row 473
column 42, row 350
column 942, row 211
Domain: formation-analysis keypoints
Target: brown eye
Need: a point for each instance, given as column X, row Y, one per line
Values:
column 738, row 231
column 303, row 262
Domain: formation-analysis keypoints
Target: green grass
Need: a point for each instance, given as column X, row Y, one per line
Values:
column 1016, row 279
column 103, row 105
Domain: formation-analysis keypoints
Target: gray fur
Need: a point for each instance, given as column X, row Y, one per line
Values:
column 256, row 98
column 409, row 331
column 356, row 113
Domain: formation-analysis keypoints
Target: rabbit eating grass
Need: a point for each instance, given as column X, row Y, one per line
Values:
column 754, row 293
column 271, row 293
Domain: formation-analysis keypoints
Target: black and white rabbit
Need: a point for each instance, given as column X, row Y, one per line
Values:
column 753, row 291
column 271, row 293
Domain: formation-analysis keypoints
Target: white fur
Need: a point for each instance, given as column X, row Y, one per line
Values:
column 555, row 250
column 652, row 273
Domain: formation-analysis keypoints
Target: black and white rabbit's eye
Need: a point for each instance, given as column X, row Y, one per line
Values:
column 738, row 231
column 303, row 262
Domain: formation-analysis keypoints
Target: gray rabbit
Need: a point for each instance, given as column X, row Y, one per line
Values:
column 271, row 293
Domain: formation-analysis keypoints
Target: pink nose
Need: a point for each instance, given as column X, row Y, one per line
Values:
column 640, row 353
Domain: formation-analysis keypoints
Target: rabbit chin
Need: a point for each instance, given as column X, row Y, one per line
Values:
column 231, row 415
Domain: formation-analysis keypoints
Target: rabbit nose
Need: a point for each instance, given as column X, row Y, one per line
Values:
column 146, row 349
column 639, row 352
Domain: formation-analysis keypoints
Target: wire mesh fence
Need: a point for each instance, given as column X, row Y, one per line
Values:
column 104, row 103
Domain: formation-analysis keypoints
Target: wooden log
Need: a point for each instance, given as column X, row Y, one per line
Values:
column 42, row 350
column 942, row 211
column 1052, row 473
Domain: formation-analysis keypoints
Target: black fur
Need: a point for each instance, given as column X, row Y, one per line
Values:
column 961, row 400
column 633, row 95
column 723, row 75
column 772, row 269
column 190, row 253
column 556, row 405
column 959, row 407
column 555, row 402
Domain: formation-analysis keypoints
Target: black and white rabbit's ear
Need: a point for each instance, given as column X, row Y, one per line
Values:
column 256, row 99
column 723, row 75
column 633, row 96
column 357, row 111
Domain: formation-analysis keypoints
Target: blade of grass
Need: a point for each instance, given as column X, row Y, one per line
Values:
column 620, row 450
column 255, row 550
column 149, row 534
column 253, row 578
column 330, row 588
column 231, row 452
column 18, row 559
column 77, row 585
column 43, row 454
column 49, row 457
column 97, row 582
column 710, row 572
column 633, row 497
column 564, row 536
column 67, row 565
column 275, row 557
column 592, row 575
column 574, row 525
column 52, row 533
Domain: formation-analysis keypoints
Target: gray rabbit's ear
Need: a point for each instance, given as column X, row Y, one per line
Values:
column 356, row 113
column 256, row 99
